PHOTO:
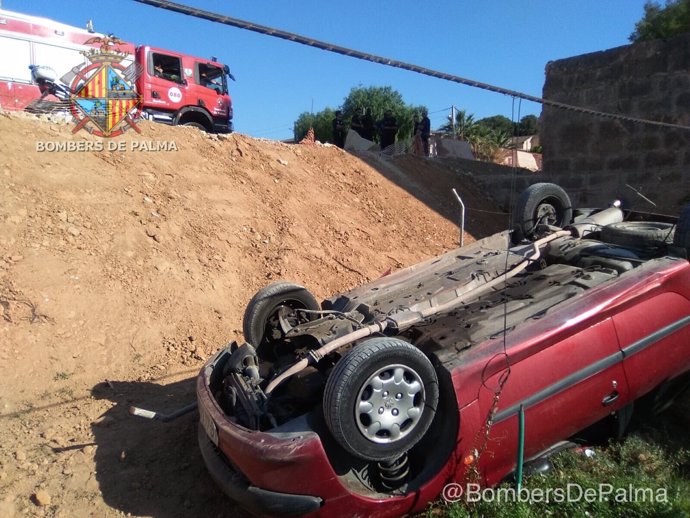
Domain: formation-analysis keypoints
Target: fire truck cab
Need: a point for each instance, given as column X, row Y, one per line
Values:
column 174, row 88
column 180, row 89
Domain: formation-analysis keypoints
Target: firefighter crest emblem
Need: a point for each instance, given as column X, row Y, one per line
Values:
column 105, row 101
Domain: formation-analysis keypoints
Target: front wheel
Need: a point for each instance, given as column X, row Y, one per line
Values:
column 381, row 398
column 272, row 310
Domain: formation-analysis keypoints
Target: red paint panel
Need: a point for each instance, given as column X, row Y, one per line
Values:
column 558, row 415
column 664, row 356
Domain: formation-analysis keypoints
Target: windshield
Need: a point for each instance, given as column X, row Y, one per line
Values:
column 213, row 77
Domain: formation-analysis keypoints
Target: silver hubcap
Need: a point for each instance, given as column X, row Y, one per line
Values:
column 390, row 404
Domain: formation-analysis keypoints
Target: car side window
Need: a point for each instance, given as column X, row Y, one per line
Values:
column 166, row 67
column 211, row 76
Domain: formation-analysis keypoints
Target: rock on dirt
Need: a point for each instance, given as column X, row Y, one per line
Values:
column 42, row 498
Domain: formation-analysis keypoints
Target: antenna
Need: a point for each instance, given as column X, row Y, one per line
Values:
column 89, row 24
column 639, row 194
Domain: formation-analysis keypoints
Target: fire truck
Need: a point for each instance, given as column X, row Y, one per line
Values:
column 174, row 88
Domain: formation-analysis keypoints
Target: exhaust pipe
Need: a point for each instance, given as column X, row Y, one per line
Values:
column 594, row 222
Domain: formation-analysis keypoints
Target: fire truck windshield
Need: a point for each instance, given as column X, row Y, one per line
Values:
column 213, row 77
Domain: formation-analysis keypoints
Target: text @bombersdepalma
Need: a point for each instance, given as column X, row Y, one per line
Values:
column 569, row 493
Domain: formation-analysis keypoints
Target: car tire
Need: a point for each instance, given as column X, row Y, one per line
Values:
column 406, row 399
column 540, row 203
column 682, row 236
column 638, row 234
column 260, row 324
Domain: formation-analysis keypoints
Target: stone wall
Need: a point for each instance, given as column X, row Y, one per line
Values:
column 597, row 159
column 499, row 182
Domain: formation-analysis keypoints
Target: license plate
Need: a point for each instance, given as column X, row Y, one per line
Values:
column 209, row 426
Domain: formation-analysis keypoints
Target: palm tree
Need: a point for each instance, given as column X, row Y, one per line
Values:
column 486, row 142
column 465, row 125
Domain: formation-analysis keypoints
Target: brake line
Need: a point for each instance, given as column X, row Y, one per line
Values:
column 327, row 349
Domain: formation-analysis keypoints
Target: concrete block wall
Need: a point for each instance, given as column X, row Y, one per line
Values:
column 597, row 159
column 499, row 182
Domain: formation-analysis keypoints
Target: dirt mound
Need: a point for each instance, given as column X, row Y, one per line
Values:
column 121, row 272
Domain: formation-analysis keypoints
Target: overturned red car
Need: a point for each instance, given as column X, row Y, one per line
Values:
column 371, row 401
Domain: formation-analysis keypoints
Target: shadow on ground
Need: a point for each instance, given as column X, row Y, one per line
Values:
column 150, row 468
column 155, row 469
column 431, row 181
column 670, row 428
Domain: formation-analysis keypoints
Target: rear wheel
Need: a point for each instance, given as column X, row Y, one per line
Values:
column 381, row 398
column 541, row 204
column 638, row 234
column 272, row 311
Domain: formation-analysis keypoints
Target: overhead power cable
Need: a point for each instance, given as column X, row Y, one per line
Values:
column 290, row 36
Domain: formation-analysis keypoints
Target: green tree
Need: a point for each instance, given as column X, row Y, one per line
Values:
column 529, row 125
column 465, row 125
column 497, row 124
column 376, row 100
column 662, row 22
column 485, row 137
column 486, row 141
column 322, row 122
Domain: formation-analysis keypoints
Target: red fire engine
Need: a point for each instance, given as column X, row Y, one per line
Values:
column 174, row 88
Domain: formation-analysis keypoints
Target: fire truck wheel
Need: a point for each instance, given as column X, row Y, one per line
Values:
column 195, row 125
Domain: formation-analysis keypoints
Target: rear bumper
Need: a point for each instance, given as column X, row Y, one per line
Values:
column 256, row 500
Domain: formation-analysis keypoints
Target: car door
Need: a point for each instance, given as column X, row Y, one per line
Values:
column 167, row 83
column 654, row 335
column 210, row 88
column 563, row 388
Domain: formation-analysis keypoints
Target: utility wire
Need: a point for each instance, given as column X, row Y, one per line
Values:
column 290, row 36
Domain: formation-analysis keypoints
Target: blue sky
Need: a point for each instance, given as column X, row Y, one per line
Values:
column 503, row 42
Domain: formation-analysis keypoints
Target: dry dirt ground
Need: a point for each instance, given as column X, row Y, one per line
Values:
column 121, row 272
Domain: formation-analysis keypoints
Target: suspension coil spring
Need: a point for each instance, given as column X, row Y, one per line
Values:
column 394, row 473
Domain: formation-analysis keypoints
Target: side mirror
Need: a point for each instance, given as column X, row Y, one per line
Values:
column 226, row 70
